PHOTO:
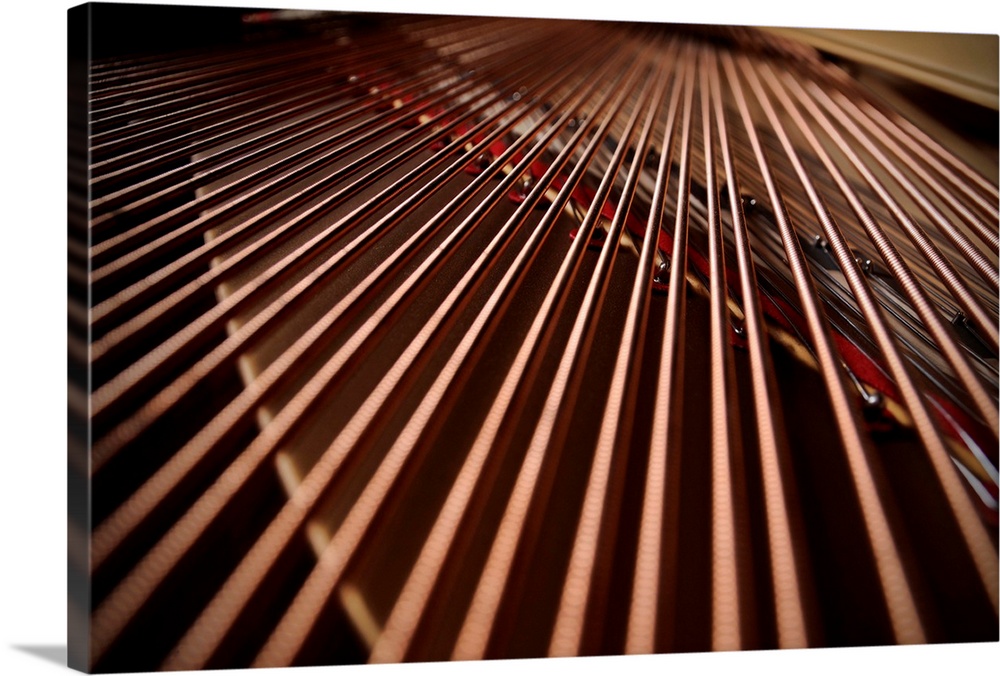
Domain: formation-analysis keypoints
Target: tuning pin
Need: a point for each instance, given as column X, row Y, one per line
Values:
column 598, row 236
column 739, row 337
column 525, row 184
column 480, row 164
column 865, row 263
column 661, row 278
column 872, row 402
column 521, row 189
column 662, row 275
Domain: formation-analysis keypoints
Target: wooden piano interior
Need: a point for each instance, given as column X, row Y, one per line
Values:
column 401, row 338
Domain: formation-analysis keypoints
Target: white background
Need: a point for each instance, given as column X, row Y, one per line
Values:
column 33, row 381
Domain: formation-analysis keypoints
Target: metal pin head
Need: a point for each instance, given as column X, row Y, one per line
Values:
column 481, row 163
column 600, row 232
column 661, row 278
column 662, row 275
column 865, row 263
column 874, row 400
column 524, row 185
